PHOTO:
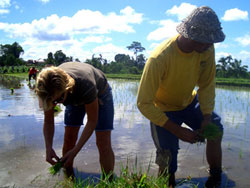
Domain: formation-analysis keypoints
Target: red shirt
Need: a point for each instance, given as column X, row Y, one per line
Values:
column 32, row 71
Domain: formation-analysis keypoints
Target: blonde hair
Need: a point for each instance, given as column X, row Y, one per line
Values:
column 51, row 81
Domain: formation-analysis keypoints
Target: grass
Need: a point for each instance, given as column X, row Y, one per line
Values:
column 128, row 178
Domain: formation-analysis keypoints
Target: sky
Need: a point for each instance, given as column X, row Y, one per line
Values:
column 81, row 28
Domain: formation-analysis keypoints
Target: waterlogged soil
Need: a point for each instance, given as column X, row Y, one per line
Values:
column 22, row 152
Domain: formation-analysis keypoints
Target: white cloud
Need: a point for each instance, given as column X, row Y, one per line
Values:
column 96, row 39
column 235, row 14
column 245, row 57
column 218, row 55
column 109, row 51
column 73, row 34
column 220, row 45
column 245, row 40
column 44, row 1
column 182, row 11
column 4, row 3
column 4, row 11
column 153, row 45
column 167, row 29
column 54, row 28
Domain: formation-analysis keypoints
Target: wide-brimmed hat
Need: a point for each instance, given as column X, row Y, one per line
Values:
column 202, row 25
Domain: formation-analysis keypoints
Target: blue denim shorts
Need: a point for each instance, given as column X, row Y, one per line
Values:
column 74, row 115
column 166, row 141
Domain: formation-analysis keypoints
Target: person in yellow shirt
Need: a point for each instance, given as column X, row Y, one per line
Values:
column 167, row 95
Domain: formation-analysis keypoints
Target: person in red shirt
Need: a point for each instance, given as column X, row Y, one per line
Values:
column 32, row 73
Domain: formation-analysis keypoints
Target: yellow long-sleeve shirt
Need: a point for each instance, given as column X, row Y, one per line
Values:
column 169, row 79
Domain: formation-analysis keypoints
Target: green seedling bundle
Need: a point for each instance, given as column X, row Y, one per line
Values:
column 211, row 132
column 55, row 168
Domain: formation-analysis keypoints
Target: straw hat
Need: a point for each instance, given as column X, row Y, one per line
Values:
column 202, row 25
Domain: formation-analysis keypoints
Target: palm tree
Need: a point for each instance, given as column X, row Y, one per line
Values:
column 238, row 70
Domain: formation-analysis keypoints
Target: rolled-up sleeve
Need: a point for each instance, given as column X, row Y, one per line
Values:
column 149, row 84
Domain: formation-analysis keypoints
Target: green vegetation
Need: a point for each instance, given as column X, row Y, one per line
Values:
column 125, row 76
column 211, row 132
column 243, row 82
column 233, row 82
column 55, row 168
column 229, row 71
column 57, row 108
column 126, row 179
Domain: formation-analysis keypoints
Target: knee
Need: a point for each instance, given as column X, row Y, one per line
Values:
column 167, row 160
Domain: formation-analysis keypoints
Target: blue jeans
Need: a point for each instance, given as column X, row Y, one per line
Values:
column 74, row 115
column 167, row 144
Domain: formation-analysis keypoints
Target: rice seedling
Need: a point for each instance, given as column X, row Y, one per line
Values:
column 12, row 90
column 55, row 168
column 211, row 132
column 57, row 108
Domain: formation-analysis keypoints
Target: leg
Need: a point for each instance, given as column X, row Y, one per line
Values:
column 103, row 131
column 167, row 146
column 106, row 154
column 193, row 118
column 214, row 157
column 70, row 138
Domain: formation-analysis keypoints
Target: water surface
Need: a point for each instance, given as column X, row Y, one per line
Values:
column 22, row 154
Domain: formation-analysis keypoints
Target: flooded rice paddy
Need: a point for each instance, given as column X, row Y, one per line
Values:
column 22, row 152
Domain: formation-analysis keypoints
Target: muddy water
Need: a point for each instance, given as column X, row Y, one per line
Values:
column 22, row 154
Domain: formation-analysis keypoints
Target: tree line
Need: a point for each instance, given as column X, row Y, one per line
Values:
column 10, row 54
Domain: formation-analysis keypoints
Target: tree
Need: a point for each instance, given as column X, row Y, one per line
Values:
column 141, row 61
column 229, row 67
column 60, row 57
column 223, row 66
column 237, row 70
column 50, row 60
column 14, row 49
column 136, row 47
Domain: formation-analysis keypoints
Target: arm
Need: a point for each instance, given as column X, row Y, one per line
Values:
column 180, row 132
column 48, row 132
column 206, row 84
column 149, row 84
column 92, row 114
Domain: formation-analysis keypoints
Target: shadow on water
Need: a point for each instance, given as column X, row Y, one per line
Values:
column 200, row 182
column 86, row 177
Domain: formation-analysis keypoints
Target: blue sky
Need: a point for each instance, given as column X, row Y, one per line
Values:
column 81, row 28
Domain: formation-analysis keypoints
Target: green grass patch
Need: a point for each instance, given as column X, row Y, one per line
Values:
column 130, row 177
column 125, row 76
